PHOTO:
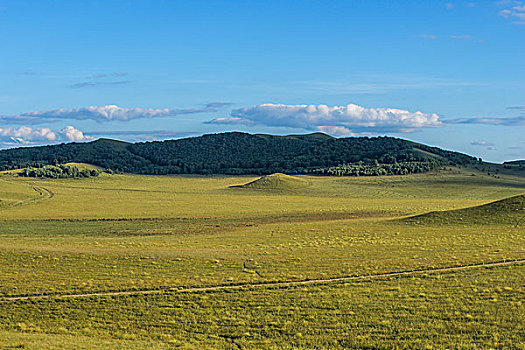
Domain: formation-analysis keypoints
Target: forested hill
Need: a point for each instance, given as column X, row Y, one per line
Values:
column 241, row 153
column 520, row 163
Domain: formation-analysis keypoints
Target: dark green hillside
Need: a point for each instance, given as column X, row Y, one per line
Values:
column 240, row 153
column 506, row 211
column 518, row 163
column 106, row 153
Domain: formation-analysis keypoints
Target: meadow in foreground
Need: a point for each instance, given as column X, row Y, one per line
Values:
column 123, row 232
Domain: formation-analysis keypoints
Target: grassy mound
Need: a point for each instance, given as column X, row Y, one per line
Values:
column 276, row 182
column 506, row 211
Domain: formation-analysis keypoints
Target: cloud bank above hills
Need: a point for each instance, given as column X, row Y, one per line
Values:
column 337, row 120
column 100, row 114
column 25, row 135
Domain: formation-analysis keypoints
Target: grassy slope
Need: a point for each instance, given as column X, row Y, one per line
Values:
column 510, row 211
column 128, row 196
column 16, row 193
column 193, row 231
column 276, row 182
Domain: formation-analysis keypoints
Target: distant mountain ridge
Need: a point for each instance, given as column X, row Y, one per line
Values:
column 242, row 153
column 515, row 163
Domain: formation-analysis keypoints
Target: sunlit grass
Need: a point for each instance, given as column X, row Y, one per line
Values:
column 467, row 309
column 124, row 232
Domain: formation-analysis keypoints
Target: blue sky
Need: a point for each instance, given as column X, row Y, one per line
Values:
column 446, row 73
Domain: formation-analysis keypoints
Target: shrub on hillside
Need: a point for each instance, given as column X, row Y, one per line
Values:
column 59, row 171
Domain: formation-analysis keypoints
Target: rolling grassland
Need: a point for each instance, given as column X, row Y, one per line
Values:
column 126, row 233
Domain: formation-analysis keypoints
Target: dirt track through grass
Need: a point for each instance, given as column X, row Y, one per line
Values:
column 270, row 284
column 44, row 194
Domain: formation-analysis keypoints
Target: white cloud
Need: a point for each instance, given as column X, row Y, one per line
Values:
column 514, row 12
column 73, row 134
column 336, row 130
column 338, row 120
column 25, row 135
column 28, row 134
column 100, row 114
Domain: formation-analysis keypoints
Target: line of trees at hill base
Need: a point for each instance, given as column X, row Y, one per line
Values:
column 377, row 169
column 59, row 171
column 62, row 171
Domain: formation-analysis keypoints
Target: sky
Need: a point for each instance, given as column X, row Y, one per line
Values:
column 444, row 73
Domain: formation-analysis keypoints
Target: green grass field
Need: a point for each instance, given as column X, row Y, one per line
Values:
column 129, row 233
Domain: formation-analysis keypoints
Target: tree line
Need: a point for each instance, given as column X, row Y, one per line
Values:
column 377, row 169
column 60, row 171
column 238, row 153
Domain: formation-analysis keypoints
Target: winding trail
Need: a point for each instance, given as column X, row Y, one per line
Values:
column 269, row 284
column 43, row 195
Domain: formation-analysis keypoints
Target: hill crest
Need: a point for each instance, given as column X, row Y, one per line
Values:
column 507, row 211
column 277, row 181
column 236, row 153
